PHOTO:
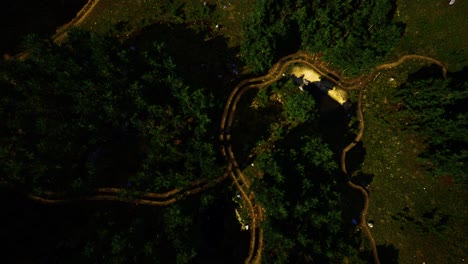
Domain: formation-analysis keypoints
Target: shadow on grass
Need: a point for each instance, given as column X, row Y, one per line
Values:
column 23, row 17
column 388, row 254
column 220, row 233
column 202, row 59
column 363, row 179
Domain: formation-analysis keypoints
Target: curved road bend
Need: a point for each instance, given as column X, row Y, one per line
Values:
column 275, row 73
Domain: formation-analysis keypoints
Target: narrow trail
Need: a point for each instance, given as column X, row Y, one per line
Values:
column 233, row 171
column 115, row 194
column 61, row 32
column 274, row 74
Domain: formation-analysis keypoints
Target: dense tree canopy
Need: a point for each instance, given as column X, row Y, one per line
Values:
column 435, row 109
column 98, row 112
column 95, row 112
column 296, row 183
column 354, row 35
column 301, row 200
column 265, row 33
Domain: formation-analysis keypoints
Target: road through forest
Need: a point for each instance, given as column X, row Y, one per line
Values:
column 277, row 71
column 233, row 171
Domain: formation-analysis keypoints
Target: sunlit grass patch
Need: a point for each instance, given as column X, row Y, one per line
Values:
column 411, row 210
column 433, row 28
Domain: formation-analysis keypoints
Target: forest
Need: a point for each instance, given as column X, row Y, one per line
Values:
column 354, row 35
column 110, row 140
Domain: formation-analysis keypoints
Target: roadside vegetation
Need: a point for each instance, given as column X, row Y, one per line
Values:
column 104, row 88
column 302, row 201
column 360, row 37
column 98, row 113
column 414, row 140
column 435, row 29
column 294, row 176
column 433, row 109
column 415, row 204
column 129, row 17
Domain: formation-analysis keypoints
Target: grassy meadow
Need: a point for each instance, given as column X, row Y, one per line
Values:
column 422, row 217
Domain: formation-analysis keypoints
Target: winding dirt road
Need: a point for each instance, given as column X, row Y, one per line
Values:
column 61, row 32
column 275, row 73
column 233, row 171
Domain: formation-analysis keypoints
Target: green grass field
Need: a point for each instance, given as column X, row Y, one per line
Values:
column 423, row 217
column 435, row 29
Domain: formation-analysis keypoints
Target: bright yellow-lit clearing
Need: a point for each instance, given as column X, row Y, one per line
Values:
column 309, row 74
column 337, row 94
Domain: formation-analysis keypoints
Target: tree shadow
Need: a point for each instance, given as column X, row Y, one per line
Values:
column 355, row 157
column 363, row 179
column 23, row 17
column 431, row 71
column 202, row 58
column 352, row 204
column 220, row 233
column 459, row 75
column 388, row 254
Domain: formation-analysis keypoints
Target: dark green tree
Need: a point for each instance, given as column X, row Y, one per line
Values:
column 266, row 34
column 95, row 111
column 301, row 201
column 354, row 35
column 434, row 109
column 298, row 106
